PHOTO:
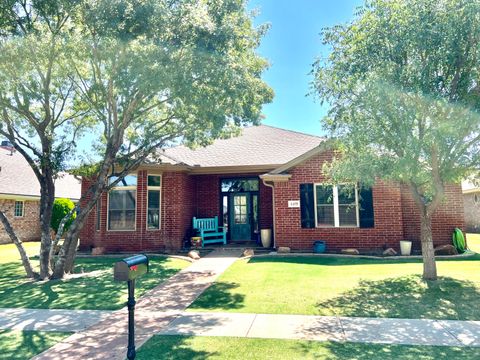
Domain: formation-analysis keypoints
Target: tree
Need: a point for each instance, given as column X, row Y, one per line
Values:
column 37, row 114
column 143, row 74
column 403, row 84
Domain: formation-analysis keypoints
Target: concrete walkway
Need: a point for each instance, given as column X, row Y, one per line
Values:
column 50, row 319
column 154, row 311
column 328, row 328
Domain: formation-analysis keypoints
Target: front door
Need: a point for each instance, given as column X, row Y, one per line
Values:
column 240, row 219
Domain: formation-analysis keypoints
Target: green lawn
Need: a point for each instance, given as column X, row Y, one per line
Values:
column 231, row 348
column 9, row 252
column 473, row 242
column 22, row 345
column 92, row 287
column 347, row 287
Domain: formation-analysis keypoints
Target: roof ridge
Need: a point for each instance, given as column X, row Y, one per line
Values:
column 289, row 130
column 164, row 153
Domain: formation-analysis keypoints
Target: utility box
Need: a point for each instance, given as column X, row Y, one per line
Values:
column 130, row 268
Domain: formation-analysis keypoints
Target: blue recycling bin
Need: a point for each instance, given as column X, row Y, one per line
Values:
column 319, row 246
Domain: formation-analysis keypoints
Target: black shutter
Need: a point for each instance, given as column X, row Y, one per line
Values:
column 366, row 208
column 307, row 205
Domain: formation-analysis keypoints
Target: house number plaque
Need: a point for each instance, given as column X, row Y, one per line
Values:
column 293, row 203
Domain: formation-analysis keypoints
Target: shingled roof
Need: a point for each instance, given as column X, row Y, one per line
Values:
column 261, row 145
column 17, row 178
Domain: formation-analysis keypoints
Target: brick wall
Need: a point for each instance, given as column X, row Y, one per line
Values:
column 27, row 227
column 183, row 197
column 177, row 208
column 447, row 217
column 396, row 217
column 472, row 212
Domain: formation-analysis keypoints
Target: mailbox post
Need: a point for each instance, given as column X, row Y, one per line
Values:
column 128, row 270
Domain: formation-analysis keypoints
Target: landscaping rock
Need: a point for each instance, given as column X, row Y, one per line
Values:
column 389, row 252
column 194, row 255
column 98, row 250
column 446, row 250
column 283, row 250
column 350, row 252
column 248, row 252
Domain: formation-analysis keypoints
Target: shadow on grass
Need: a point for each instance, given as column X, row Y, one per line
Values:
column 25, row 344
column 359, row 351
column 199, row 348
column 94, row 289
column 172, row 347
column 408, row 297
column 341, row 261
column 219, row 296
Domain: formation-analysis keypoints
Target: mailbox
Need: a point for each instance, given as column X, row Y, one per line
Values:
column 130, row 268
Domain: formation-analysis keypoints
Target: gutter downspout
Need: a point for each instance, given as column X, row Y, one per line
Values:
column 273, row 209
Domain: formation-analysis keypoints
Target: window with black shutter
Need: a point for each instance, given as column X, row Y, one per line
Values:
column 307, row 206
column 367, row 218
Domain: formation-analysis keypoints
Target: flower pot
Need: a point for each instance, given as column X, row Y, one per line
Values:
column 319, row 247
column 266, row 236
column 196, row 241
column 405, row 247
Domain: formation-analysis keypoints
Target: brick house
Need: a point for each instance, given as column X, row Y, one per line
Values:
column 20, row 194
column 267, row 178
column 471, row 201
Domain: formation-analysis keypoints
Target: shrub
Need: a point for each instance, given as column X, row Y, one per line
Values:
column 61, row 208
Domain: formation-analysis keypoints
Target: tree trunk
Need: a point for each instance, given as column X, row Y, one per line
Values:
column 18, row 243
column 428, row 253
column 66, row 258
column 47, row 197
column 59, row 234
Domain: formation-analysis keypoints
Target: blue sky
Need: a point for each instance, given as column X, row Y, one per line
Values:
column 292, row 45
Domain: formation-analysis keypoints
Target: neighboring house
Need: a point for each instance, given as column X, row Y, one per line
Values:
column 265, row 178
column 20, row 194
column 471, row 203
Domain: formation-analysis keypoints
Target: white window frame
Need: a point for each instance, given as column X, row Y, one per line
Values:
column 120, row 188
column 15, row 208
column 336, row 211
column 159, row 189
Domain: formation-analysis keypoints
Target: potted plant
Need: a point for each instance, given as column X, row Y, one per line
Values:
column 196, row 239
column 405, row 247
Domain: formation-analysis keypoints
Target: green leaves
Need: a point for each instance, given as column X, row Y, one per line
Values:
column 402, row 80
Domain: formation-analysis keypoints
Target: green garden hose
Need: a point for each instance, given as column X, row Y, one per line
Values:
column 458, row 240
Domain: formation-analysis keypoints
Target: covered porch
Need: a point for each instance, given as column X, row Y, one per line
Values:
column 242, row 204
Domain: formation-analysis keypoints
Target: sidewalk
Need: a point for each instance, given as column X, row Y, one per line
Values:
column 50, row 319
column 328, row 328
column 154, row 311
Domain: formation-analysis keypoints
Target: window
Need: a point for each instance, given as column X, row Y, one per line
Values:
column 122, row 204
column 336, row 205
column 325, row 206
column 18, row 211
column 239, row 185
column 240, row 209
column 97, row 224
column 154, row 183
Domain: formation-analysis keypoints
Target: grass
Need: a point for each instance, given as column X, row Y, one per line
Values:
column 20, row 345
column 346, row 287
column 9, row 252
column 92, row 286
column 473, row 242
column 197, row 348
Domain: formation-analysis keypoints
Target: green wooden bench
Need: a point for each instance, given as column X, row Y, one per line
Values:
column 209, row 230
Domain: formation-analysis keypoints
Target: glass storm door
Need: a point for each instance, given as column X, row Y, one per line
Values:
column 240, row 219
